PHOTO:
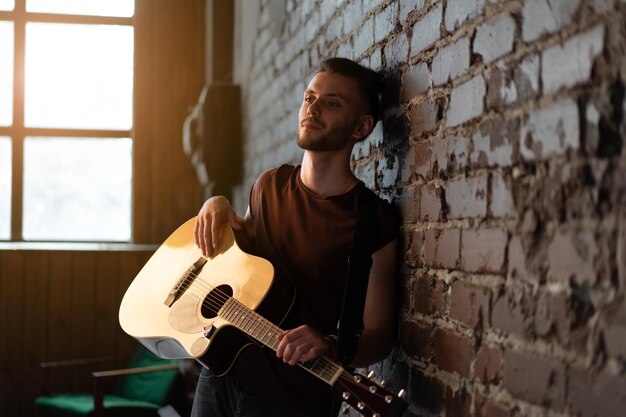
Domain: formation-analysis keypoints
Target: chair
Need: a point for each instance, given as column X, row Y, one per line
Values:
column 142, row 390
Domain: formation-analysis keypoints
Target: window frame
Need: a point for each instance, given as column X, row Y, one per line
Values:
column 17, row 132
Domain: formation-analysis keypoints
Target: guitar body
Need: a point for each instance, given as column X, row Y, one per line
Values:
column 174, row 328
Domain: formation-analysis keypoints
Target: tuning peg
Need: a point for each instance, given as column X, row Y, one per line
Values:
column 345, row 408
column 370, row 374
column 383, row 383
column 402, row 394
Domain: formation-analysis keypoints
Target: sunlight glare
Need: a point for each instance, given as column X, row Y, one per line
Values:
column 5, row 188
column 6, row 73
column 78, row 76
column 116, row 8
column 77, row 189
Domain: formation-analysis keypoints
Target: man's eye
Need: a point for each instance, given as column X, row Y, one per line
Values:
column 333, row 104
column 308, row 99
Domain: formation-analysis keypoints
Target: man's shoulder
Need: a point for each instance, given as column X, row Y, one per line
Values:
column 278, row 175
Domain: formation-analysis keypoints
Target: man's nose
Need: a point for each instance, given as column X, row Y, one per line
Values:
column 314, row 108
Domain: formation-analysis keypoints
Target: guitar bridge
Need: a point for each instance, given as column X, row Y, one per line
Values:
column 184, row 282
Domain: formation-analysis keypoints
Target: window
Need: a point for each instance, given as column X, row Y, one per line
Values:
column 66, row 119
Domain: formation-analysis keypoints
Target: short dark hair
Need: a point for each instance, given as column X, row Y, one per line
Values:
column 367, row 80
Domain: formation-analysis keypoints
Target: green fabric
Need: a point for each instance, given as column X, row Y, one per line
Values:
column 68, row 405
column 135, row 395
column 149, row 386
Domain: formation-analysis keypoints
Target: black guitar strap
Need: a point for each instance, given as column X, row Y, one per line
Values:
column 350, row 325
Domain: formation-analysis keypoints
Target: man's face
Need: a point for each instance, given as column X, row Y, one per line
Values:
column 330, row 113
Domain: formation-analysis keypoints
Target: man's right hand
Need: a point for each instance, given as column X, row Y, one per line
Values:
column 214, row 213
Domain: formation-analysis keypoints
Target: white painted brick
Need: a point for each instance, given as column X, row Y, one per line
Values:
column 364, row 37
column 384, row 22
column 570, row 64
column 466, row 101
column 546, row 16
column 376, row 60
column 550, row 131
column 458, row 11
column 451, row 61
column 450, row 152
column 495, row 38
column 426, row 30
column 406, row 7
column 388, row 174
column 353, row 15
column 397, row 50
column 501, row 204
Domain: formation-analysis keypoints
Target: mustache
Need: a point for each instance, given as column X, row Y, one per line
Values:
column 313, row 121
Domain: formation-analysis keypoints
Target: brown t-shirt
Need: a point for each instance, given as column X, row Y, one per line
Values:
column 307, row 239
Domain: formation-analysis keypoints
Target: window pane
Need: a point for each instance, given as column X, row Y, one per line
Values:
column 5, row 188
column 79, row 76
column 6, row 73
column 120, row 8
column 77, row 189
column 7, row 4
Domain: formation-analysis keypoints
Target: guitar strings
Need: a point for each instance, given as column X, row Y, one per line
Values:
column 216, row 299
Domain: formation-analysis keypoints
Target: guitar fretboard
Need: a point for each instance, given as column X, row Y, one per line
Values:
column 259, row 328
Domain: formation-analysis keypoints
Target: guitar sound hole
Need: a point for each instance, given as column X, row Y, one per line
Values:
column 215, row 299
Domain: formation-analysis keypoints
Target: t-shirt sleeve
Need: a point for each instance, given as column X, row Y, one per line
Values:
column 388, row 225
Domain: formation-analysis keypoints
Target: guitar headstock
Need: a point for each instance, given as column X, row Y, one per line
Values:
column 369, row 398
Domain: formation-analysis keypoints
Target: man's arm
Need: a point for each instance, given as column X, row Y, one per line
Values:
column 379, row 328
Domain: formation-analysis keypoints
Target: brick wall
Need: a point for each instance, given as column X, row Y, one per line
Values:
column 502, row 144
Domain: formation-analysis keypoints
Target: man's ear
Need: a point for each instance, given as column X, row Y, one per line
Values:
column 365, row 126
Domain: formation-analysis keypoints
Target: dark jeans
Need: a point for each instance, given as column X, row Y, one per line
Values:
column 226, row 397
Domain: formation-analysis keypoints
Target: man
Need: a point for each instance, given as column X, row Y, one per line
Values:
column 302, row 220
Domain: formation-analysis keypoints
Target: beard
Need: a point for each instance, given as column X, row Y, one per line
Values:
column 332, row 140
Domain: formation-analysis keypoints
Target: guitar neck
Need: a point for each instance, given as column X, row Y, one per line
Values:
column 265, row 332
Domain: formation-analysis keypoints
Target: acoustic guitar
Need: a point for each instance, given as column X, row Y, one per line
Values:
column 179, row 292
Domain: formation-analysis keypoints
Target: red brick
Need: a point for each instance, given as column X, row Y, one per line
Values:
column 487, row 367
column 571, row 255
column 453, row 352
column 416, row 339
column 457, row 402
column 430, row 207
column 414, row 241
column 467, row 197
column 428, row 296
column 470, row 304
column 486, row 407
column 614, row 333
column 415, row 80
column 441, row 248
column 518, row 261
column 483, row 250
column 423, row 117
column 410, row 203
column 596, row 395
column 422, row 164
column 512, row 316
column 551, row 316
column 537, row 379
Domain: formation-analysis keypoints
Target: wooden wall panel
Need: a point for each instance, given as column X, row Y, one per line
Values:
column 55, row 306
column 35, row 314
column 11, row 296
column 170, row 48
